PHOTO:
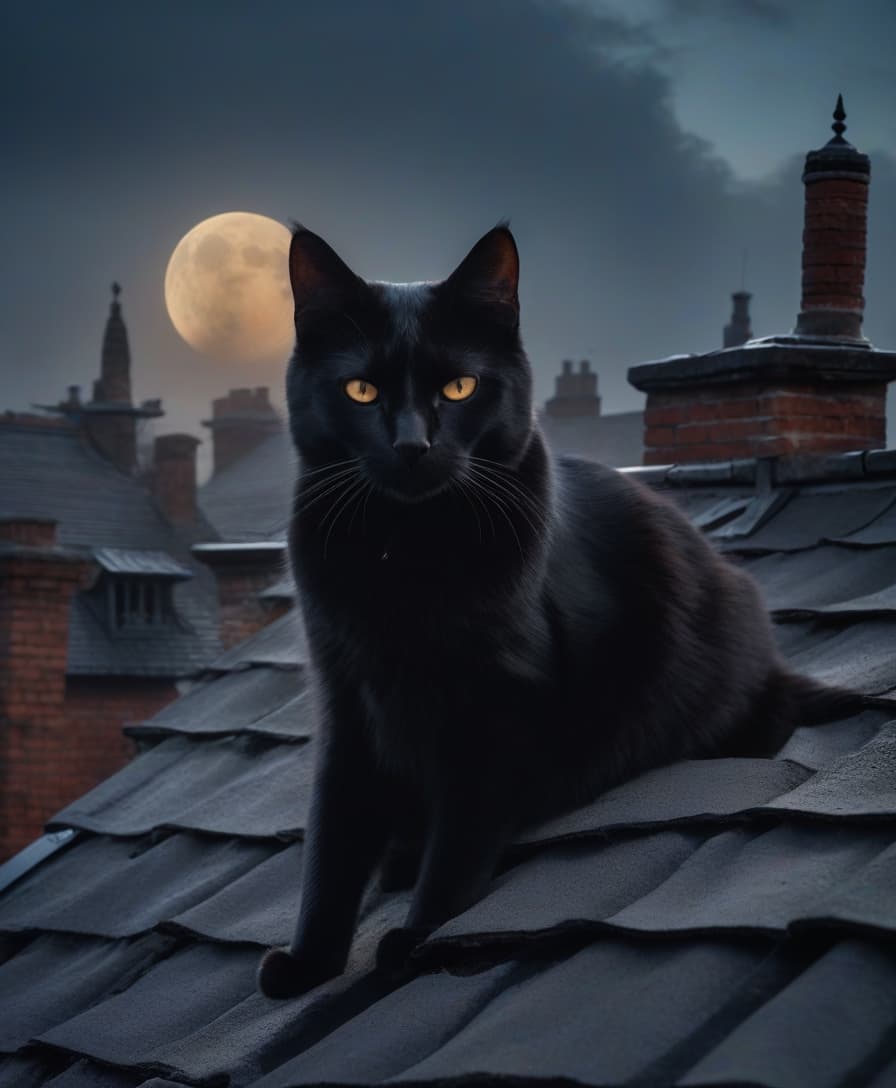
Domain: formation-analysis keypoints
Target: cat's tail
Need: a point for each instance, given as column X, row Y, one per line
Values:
column 814, row 703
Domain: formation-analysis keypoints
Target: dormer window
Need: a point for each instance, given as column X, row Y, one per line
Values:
column 139, row 602
column 136, row 588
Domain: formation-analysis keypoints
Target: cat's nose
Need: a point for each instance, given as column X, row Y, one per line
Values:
column 410, row 451
column 410, row 437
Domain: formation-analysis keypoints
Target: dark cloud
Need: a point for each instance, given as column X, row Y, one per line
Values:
column 400, row 132
column 774, row 13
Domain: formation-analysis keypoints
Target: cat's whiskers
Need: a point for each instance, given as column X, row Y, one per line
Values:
column 482, row 485
column 305, row 474
column 457, row 485
column 342, row 502
column 358, row 505
column 511, row 479
column 325, row 487
column 512, row 500
column 475, row 495
column 305, row 490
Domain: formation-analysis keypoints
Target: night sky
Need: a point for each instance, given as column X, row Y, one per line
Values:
column 638, row 147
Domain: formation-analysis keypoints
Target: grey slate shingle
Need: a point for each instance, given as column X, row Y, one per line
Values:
column 816, row 1031
column 270, row 701
column 231, row 786
column 816, row 515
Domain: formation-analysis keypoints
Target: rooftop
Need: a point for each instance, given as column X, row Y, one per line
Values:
column 47, row 469
column 250, row 499
column 713, row 922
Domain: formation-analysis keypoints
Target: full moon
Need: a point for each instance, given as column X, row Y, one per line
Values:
column 227, row 288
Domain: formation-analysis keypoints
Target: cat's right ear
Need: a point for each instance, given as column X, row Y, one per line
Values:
column 320, row 279
column 489, row 274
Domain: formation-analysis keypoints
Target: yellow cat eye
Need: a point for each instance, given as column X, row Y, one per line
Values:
column 459, row 388
column 361, row 391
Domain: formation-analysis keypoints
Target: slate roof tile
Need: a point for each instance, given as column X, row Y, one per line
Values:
column 815, row 515
column 818, row 1031
column 716, row 922
column 124, row 887
column 282, row 644
column 859, row 784
column 54, row 974
column 251, row 499
column 270, row 701
column 810, row 582
column 231, row 786
column 882, row 530
column 858, row 656
column 543, row 1026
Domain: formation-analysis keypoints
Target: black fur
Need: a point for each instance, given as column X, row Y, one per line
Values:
column 496, row 636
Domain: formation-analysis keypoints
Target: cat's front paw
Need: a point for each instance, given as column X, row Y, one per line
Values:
column 395, row 948
column 281, row 975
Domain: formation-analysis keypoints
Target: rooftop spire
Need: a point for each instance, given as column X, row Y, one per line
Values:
column 114, row 383
column 839, row 117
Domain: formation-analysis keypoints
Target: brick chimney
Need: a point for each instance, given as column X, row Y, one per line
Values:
column 174, row 477
column 242, row 572
column 820, row 389
column 240, row 421
column 38, row 580
column 576, row 393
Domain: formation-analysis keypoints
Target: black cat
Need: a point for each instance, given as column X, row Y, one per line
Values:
column 496, row 636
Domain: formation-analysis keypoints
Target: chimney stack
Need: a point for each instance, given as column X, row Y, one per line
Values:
column 738, row 330
column 243, row 571
column 240, row 421
column 834, row 237
column 174, row 477
column 576, row 393
column 821, row 389
column 38, row 580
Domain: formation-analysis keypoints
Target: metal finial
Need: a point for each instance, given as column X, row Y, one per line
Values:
column 839, row 117
column 116, row 290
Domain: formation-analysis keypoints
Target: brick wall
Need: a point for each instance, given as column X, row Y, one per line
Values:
column 722, row 422
column 57, row 738
column 54, row 753
column 240, row 612
column 37, row 582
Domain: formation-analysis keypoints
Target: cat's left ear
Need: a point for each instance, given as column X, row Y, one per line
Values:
column 490, row 273
column 320, row 279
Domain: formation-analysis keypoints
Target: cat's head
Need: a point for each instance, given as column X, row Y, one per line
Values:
column 412, row 378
